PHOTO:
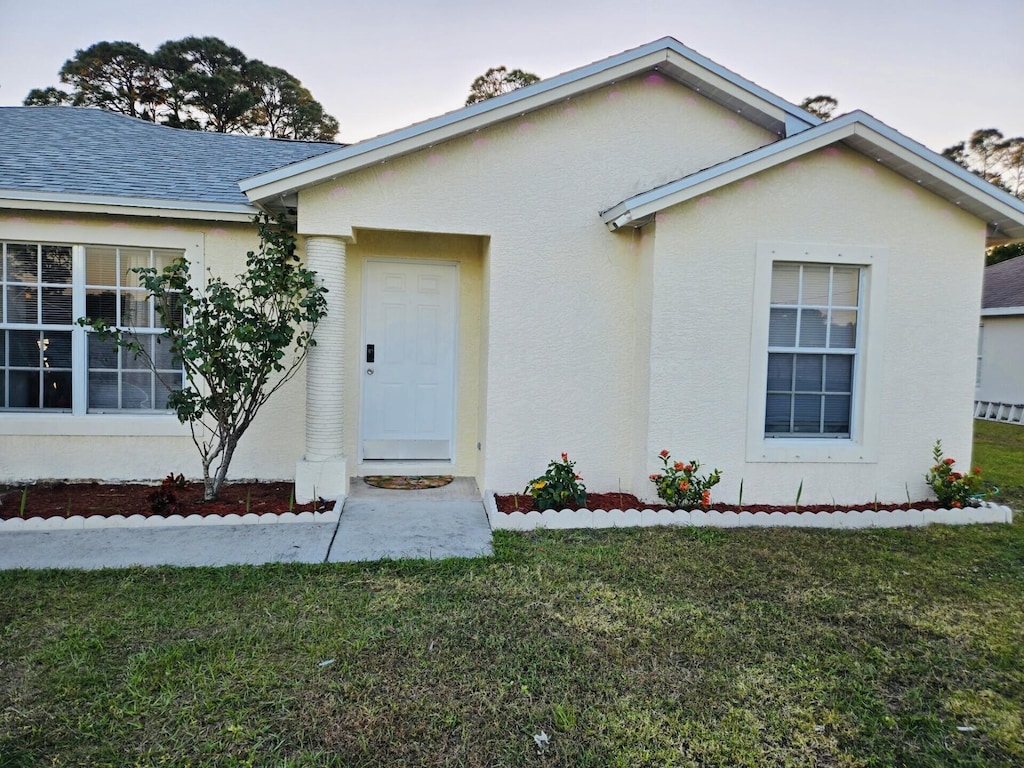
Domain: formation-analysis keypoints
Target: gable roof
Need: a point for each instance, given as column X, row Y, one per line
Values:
column 858, row 130
column 86, row 157
column 1003, row 293
column 667, row 56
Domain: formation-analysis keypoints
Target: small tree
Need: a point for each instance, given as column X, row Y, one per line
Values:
column 238, row 342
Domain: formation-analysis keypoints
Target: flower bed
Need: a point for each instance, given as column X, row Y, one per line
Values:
column 890, row 516
column 77, row 506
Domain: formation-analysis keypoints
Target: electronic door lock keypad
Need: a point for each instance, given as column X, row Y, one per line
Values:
column 369, row 353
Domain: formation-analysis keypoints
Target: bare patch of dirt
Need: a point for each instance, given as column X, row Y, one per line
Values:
column 108, row 499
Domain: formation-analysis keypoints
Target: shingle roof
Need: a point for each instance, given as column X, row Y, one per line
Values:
column 1004, row 284
column 84, row 151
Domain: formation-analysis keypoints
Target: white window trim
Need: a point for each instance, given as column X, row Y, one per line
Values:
column 863, row 444
column 77, row 234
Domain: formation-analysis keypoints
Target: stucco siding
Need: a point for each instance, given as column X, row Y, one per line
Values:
column 1002, row 360
column 703, row 321
column 38, row 445
column 561, row 304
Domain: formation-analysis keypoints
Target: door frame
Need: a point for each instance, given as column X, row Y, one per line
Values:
column 361, row 362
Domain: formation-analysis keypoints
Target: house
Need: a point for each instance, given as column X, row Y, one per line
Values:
column 1000, row 384
column 647, row 252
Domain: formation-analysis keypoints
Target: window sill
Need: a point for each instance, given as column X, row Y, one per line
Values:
column 805, row 449
column 65, row 424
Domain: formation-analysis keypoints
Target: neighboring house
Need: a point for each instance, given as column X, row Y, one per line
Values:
column 1001, row 345
column 648, row 252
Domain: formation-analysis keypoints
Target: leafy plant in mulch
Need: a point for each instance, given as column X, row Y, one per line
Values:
column 558, row 486
column 164, row 498
column 954, row 489
column 679, row 484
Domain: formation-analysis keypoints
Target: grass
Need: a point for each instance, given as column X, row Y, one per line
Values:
column 626, row 647
column 999, row 450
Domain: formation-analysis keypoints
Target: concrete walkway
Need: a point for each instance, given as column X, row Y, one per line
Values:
column 374, row 524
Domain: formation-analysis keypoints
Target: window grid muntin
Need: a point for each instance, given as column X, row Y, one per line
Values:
column 126, row 374
column 798, row 349
column 53, row 388
column 74, row 395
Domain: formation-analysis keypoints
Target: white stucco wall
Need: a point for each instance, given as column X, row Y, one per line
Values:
column 705, row 318
column 1002, row 359
column 561, row 291
column 142, row 447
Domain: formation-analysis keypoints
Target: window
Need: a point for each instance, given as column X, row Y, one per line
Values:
column 49, row 363
column 812, row 349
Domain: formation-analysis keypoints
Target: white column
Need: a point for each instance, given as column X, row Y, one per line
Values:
column 323, row 472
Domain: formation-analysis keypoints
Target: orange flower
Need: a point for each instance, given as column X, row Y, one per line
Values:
column 684, row 485
column 654, row 477
column 678, row 466
column 664, row 453
column 706, row 498
column 956, row 504
column 977, row 470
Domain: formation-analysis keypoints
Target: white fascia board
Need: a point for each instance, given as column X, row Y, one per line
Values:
column 859, row 124
column 700, row 183
column 935, row 166
column 330, row 165
column 18, row 199
column 1001, row 311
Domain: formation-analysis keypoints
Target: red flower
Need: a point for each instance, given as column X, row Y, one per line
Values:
column 706, row 496
column 688, row 468
column 977, row 470
column 678, row 466
column 664, row 454
column 565, row 457
column 956, row 504
column 655, row 477
column 683, row 485
column 949, row 461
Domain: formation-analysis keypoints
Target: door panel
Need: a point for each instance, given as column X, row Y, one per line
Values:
column 409, row 388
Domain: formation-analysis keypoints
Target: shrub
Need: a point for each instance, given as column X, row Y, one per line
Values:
column 953, row 489
column 558, row 487
column 679, row 485
column 164, row 498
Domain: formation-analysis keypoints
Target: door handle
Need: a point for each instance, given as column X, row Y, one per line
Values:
column 369, row 371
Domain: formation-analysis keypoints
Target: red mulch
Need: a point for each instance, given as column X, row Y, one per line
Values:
column 67, row 499
column 512, row 503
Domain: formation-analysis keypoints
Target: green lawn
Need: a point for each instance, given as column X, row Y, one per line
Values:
column 627, row 648
column 999, row 451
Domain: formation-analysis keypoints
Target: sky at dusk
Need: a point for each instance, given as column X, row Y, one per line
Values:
column 933, row 69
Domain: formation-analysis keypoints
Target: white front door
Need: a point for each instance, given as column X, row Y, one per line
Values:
column 408, row 360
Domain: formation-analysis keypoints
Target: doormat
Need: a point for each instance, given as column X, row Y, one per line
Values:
column 407, row 482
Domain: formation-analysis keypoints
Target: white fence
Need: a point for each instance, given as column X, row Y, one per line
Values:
column 1012, row 413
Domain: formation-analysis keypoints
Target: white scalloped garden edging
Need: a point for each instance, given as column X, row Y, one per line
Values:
column 631, row 518
column 78, row 522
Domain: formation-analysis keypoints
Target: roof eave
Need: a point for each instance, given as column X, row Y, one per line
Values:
column 72, row 202
column 1001, row 311
column 667, row 56
column 1003, row 213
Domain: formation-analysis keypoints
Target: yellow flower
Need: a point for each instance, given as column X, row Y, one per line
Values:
column 539, row 484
